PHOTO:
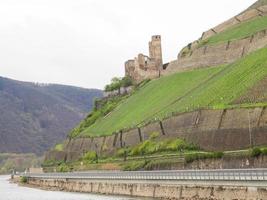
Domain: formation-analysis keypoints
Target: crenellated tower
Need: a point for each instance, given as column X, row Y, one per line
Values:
column 146, row 67
column 155, row 51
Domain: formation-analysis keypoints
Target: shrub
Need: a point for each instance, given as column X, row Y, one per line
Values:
column 59, row 147
column 134, row 166
column 146, row 147
column 264, row 151
column 255, row 152
column 154, row 135
column 201, row 156
column 121, row 152
column 63, row 168
column 90, row 156
column 23, row 179
column 117, row 83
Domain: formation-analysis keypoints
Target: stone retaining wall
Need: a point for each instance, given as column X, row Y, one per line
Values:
column 216, row 55
column 152, row 190
column 222, row 53
column 212, row 130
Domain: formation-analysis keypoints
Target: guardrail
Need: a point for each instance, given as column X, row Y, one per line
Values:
column 196, row 175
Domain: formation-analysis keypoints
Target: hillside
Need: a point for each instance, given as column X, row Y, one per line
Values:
column 216, row 87
column 227, row 85
column 212, row 99
column 35, row 117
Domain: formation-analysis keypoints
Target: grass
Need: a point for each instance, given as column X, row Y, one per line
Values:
column 152, row 98
column 239, row 31
column 153, row 146
column 228, row 85
column 213, row 88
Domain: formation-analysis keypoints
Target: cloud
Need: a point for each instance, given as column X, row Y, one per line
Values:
column 86, row 42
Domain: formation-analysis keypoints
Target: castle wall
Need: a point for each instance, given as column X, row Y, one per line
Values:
column 216, row 55
column 246, row 16
column 146, row 67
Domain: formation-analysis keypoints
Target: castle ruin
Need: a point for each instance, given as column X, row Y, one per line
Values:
column 146, row 67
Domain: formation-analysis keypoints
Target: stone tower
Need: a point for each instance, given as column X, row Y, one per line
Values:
column 155, row 51
column 146, row 67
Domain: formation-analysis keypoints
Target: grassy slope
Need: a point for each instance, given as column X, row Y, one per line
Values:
column 147, row 101
column 213, row 87
column 228, row 85
column 239, row 31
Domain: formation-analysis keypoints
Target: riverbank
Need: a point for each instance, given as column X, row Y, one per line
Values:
column 11, row 191
column 159, row 189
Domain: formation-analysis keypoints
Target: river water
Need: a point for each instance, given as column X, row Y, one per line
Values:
column 10, row 191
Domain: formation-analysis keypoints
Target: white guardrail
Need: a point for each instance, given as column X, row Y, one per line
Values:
column 211, row 175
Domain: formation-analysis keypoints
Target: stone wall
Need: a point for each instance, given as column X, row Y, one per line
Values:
column 196, row 56
column 211, row 130
column 146, row 67
column 121, row 91
column 219, row 54
column 158, row 190
column 245, row 16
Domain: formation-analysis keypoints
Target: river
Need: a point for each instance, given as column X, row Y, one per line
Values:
column 10, row 191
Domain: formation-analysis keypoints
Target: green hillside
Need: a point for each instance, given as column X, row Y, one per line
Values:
column 239, row 31
column 206, row 88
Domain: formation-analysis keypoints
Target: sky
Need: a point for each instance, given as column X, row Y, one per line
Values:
column 86, row 42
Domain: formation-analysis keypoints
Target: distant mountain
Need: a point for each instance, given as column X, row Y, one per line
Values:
column 34, row 117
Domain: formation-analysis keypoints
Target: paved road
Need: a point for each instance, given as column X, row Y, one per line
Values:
column 238, row 175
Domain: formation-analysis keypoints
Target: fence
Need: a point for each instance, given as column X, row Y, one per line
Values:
column 197, row 175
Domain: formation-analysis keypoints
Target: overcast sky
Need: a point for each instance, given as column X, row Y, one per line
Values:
column 86, row 42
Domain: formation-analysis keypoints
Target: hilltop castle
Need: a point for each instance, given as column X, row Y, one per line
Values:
column 146, row 67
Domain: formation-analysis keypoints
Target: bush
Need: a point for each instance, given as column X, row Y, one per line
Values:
column 154, row 135
column 90, row 156
column 117, row 83
column 23, row 179
column 121, row 152
column 146, row 147
column 150, row 146
column 201, row 156
column 59, row 147
column 255, row 152
column 63, row 168
column 134, row 166
column 264, row 151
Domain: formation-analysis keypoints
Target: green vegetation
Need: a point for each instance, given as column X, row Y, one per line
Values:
column 59, row 147
column 23, row 179
column 90, row 157
column 63, row 168
column 106, row 108
column 201, row 156
column 152, row 146
column 117, row 83
column 257, row 151
column 18, row 162
column 150, row 99
column 239, row 31
column 135, row 165
column 213, row 88
column 229, row 84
